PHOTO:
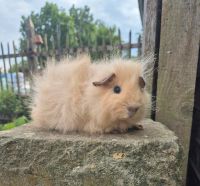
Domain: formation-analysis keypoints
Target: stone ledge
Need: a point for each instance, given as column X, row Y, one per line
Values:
column 31, row 157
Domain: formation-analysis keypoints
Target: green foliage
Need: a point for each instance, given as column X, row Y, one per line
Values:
column 17, row 122
column 77, row 28
column 12, row 106
column 20, row 67
column 8, row 126
column 21, row 120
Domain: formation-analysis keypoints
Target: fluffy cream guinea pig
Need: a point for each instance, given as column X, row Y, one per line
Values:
column 77, row 95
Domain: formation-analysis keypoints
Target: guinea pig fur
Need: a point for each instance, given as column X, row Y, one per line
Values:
column 77, row 95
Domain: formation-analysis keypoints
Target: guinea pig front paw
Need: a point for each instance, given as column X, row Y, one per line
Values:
column 118, row 131
column 139, row 127
column 136, row 127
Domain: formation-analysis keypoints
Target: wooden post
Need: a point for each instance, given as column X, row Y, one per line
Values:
column 46, row 49
column 58, row 35
column 178, row 59
column 9, row 60
column 31, row 46
column 129, row 50
column 4, row 66
column 53, row 46
column 46, row 44
column 110, row 51
column 103, row 48
column 156, row 55
column 23, row 70
column 67, row 44
column 17, row 69
column 120, row 42
column 139, row 46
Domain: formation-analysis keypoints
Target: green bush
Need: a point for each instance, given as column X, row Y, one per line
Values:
column 17, row 122
column 11, row 105
column 20, row 121
column 8, row 126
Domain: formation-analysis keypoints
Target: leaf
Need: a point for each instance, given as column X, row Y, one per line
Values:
column 118, row 155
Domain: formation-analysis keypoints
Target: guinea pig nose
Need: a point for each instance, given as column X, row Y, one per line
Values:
column 132, row 110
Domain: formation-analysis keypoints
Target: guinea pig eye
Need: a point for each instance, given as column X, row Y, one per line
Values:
column 117, row 89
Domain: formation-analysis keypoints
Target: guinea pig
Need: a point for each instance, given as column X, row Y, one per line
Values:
column 79, row 96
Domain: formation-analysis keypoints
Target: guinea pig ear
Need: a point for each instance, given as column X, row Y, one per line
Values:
column 105, row 81
column 141, row 82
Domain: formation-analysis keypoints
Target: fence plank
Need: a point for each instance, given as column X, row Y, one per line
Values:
column 129, row 50
column 139, row 48
column 111, row 49
column 177, row 66
column 14, row 55
column 4, row 66
column 53, row 46
column 9, row 60
column 17, row 70
column 120, row 42
column 30, row 31
column 46, row 43
column 103, row 48
column 23, row 70
column 46, row 48
column 58, row 36
column 93, row 49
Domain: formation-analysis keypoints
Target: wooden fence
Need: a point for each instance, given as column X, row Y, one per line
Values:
column 172, row 33
column 18, row 66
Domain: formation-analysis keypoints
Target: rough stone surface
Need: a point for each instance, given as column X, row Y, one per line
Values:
column 30, row 157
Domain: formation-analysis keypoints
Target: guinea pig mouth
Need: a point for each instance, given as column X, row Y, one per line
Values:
column 132, row 111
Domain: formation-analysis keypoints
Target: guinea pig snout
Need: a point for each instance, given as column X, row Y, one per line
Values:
column 132, row 110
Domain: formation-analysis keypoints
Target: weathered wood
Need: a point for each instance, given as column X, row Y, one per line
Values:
column 110, row 52
column 46, row 49
column 14, row 55
column 53, row 53
column 38, row 51
column 139, row 53
column 149, row 26
column 120, row 42
column 23, row 70
column 148, row 15
column 17, row 70
column 46, row 43
column 67, row 40
column 156, row 56
column 31, row 46
column 58, row 36
column 110, row 38
column 4, row 66
column 9, row 61
column 94, row 49
column 103, row 48
column 141, row 9
column 129, row 50
column 180, row 35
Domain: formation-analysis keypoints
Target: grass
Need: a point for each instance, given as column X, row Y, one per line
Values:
column 15, row 123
